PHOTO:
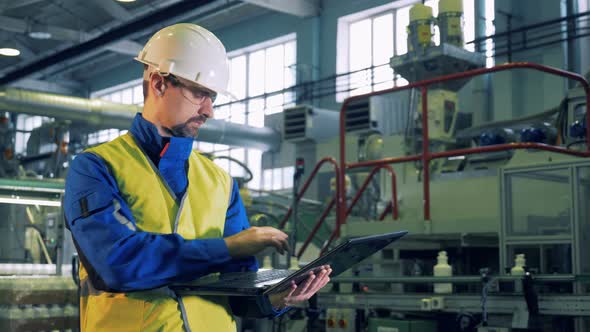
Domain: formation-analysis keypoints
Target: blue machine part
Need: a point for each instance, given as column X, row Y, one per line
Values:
column 578, row 129
column 533, row 135
column 488, row 138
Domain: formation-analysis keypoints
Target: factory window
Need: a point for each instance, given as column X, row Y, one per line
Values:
column 105, row 135
column 258, row 74
column 126, row 93
column 24, row 125
column 278, row 178
column 370, row 38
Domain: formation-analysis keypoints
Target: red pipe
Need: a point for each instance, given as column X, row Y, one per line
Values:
column 395, row 160
column 394, row 203
column 308, row 182
column 366, row 183
column 317, row 226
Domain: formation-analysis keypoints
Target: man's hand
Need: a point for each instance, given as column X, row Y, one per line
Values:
column 255, row 239
column 303, row 291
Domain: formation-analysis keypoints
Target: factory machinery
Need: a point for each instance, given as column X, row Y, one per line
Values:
column 495, row 204
column 492, row 191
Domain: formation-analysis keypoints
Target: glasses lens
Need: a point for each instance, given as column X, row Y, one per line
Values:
column 196, row 95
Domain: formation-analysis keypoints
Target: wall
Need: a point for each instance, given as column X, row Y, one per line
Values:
column 526, row 92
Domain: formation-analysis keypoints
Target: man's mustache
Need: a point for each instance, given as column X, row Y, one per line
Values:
column 198, row 118
column 180, row 130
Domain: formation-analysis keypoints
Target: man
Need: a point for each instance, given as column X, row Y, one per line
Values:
column 146, row 211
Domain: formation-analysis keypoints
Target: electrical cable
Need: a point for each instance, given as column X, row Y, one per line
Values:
column 244, row 166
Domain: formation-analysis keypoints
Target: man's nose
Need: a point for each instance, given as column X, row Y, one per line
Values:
column 207, row 108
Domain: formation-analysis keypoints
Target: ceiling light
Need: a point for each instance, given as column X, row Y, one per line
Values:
column 9, row 51
column 126, row 0
column 39, row 34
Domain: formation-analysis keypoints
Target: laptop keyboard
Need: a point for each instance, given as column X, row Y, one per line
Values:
column 250, row 278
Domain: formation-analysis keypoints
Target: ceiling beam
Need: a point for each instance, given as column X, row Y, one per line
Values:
column 127, row 47
column 93, row 61
column 17, row 4
column 24, row 49
column 300, row 8
column 57, row 33
column 114, row 9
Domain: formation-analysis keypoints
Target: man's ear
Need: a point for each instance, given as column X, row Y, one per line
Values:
column 158, row 84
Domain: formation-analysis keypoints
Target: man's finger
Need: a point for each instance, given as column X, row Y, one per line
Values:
column 278, row 244
column 320, row 282
column 306, row 284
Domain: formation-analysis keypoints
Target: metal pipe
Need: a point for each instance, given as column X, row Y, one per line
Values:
column 546, row 278
column 105, row 114
column 425, row 154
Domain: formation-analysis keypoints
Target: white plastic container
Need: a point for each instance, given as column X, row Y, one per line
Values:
column 443, row 269
column 518, row 270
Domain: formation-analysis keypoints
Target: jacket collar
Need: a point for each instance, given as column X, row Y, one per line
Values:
column 156, row 146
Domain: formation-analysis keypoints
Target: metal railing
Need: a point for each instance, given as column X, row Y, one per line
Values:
column 335, row 231
column 308, row 182
column 363, row 187
column 426, row 156
column 317, row 226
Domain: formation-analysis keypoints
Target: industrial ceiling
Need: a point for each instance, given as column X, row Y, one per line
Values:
column 65, row 43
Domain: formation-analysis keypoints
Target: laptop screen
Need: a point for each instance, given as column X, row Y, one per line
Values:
column 343, row 257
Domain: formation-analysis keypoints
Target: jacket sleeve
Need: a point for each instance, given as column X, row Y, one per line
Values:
column 117, row 255
column 237, row 221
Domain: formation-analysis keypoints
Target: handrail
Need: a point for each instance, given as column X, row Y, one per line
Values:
column 366, row 183
column 426, row 156
column 385, row 212
column 317, row 226
column 308, row 182
column 335, row 233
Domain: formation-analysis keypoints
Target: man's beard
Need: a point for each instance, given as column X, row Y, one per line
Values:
column 184, row 129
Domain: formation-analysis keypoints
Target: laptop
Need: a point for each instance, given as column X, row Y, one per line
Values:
column 266, row 282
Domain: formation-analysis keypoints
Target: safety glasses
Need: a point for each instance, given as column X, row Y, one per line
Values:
column 193, row 94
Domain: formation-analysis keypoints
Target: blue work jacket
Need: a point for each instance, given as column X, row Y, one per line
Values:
column 168, row 257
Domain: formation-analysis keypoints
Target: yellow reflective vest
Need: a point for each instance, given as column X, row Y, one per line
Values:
column 200, row 214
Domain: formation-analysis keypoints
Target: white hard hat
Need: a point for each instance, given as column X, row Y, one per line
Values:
column 190, row 52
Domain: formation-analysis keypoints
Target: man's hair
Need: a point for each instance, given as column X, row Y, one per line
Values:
column 146, row 83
